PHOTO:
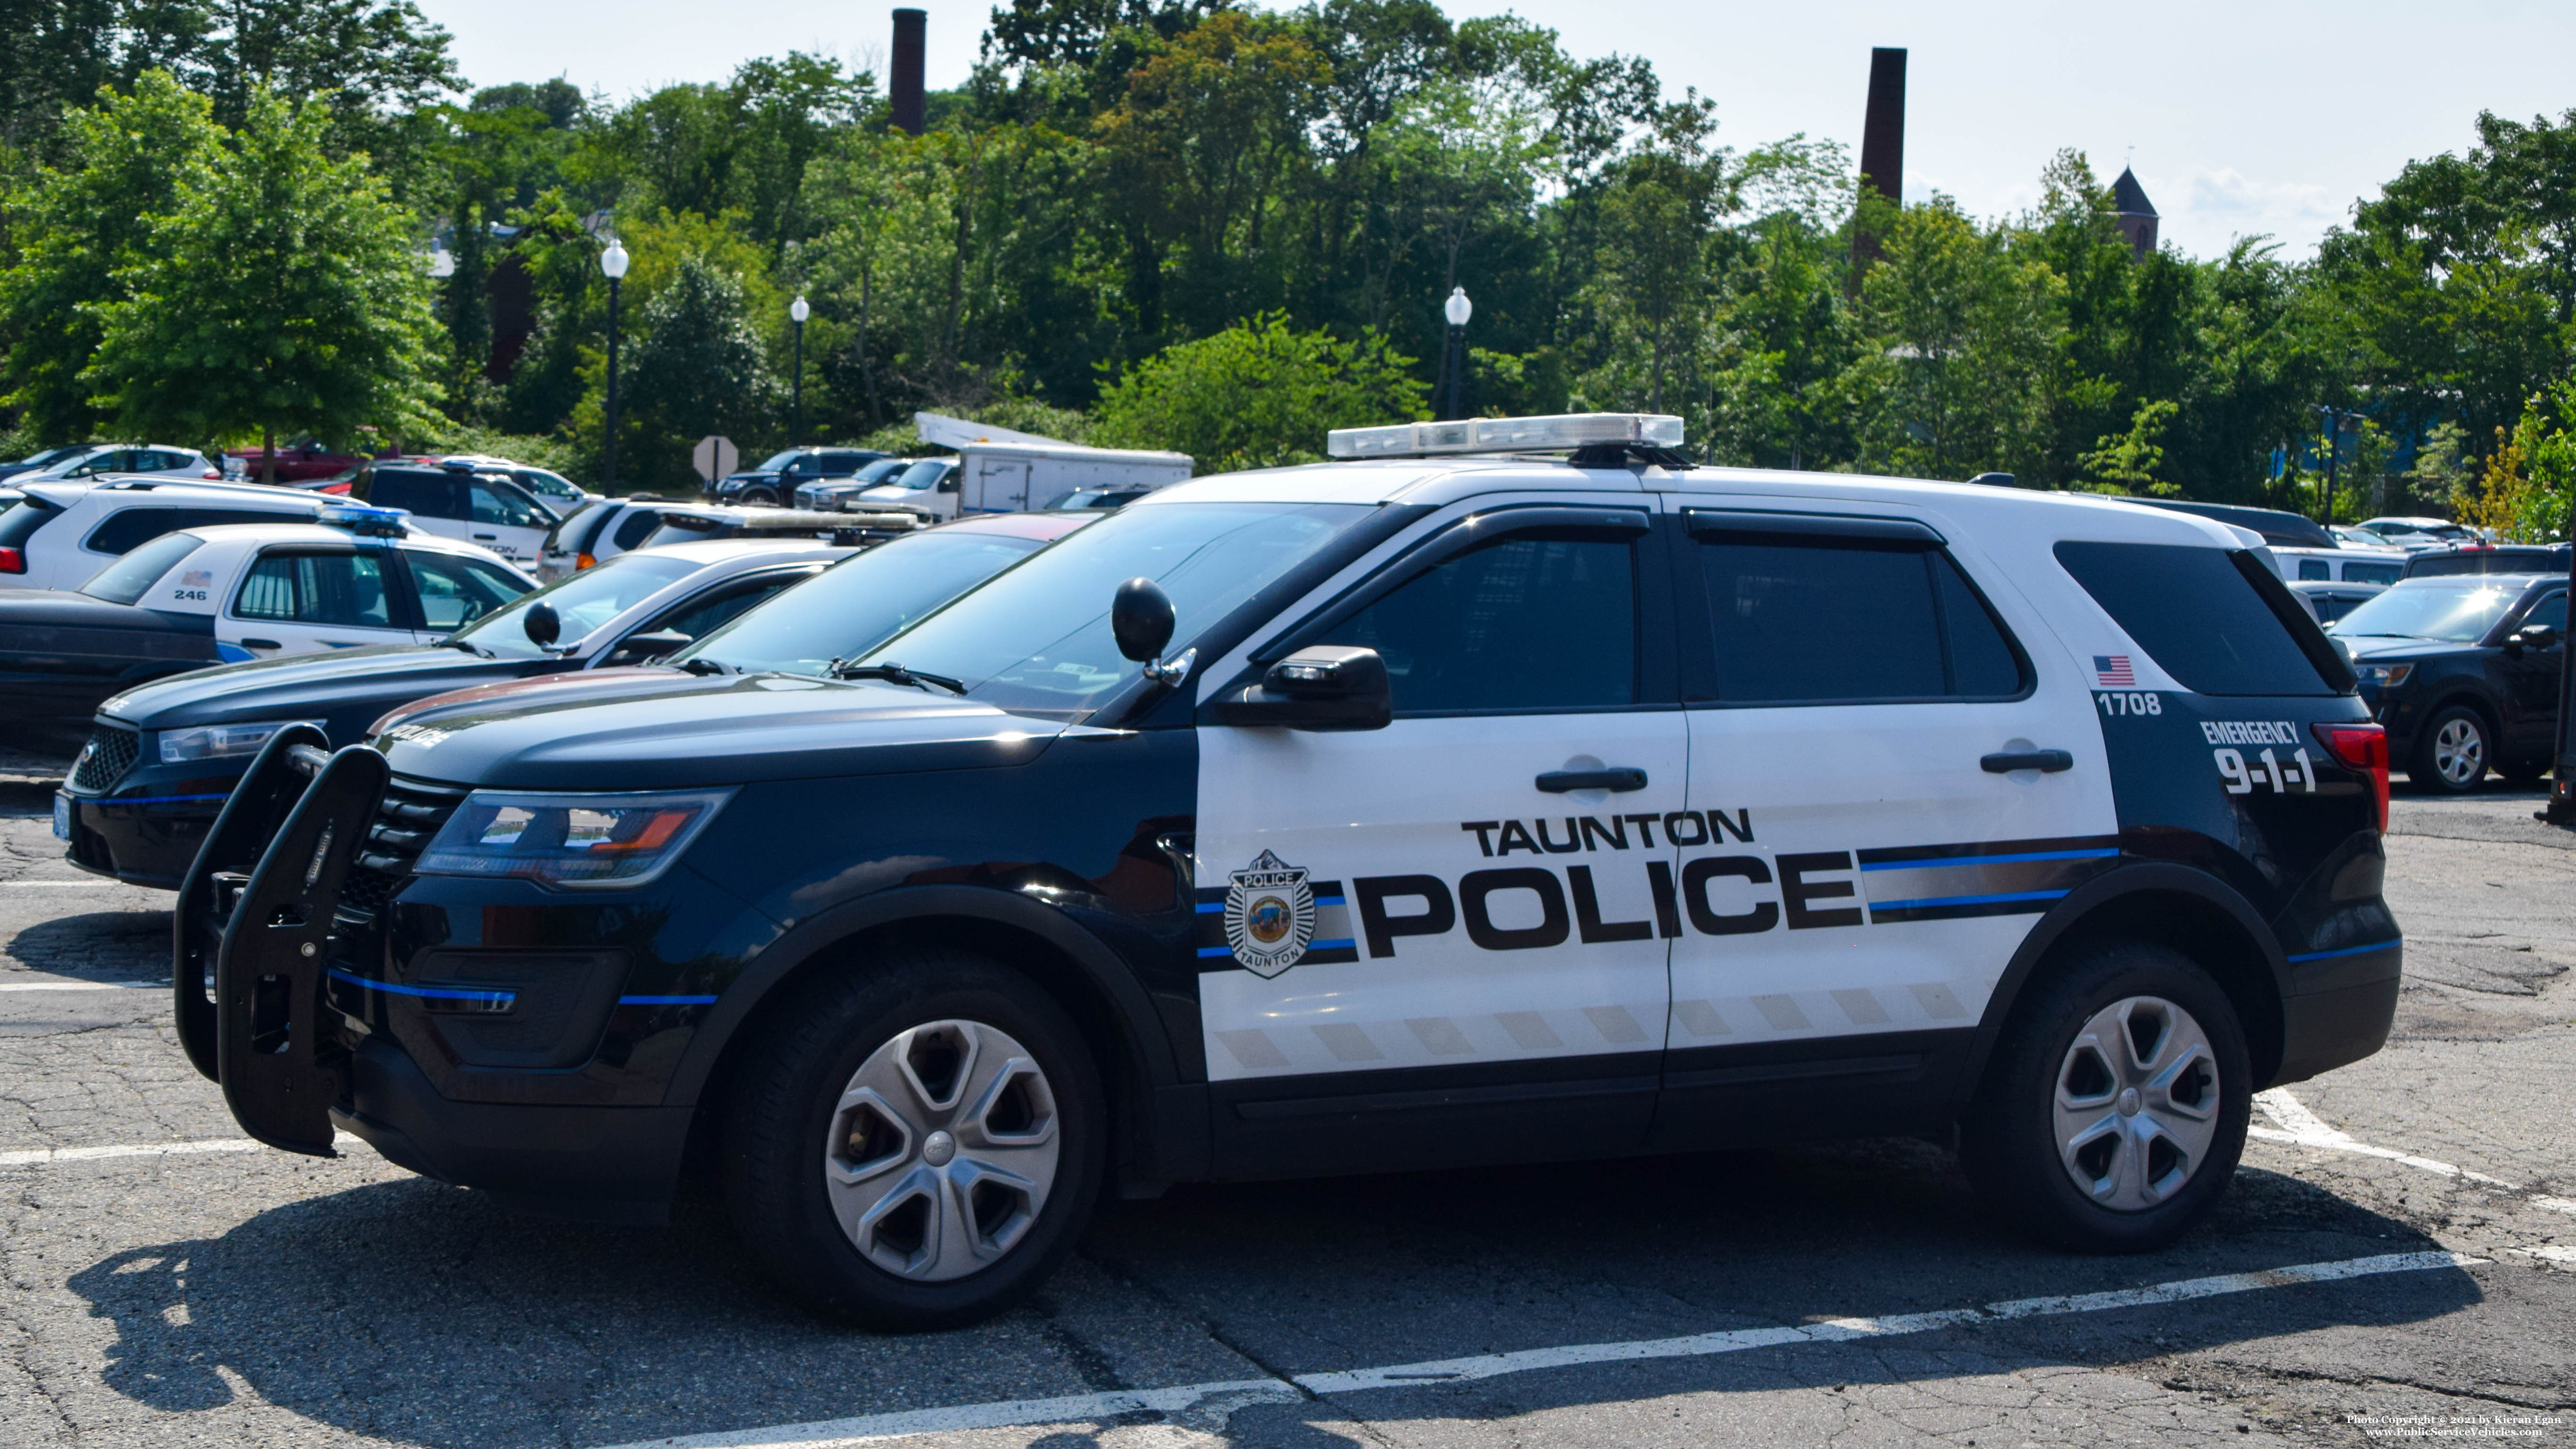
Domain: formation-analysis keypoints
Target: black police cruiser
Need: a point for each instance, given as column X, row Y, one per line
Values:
column 1513, row 791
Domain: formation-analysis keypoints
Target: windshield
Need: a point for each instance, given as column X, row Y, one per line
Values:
column 549, row 485
column 858, row 603
column 2455, row 613
column 879, row 471
column 1037, row 638
column 124, row 581
column 46, row 456
column 584, row 601
column 777, row 462
column 921, row 474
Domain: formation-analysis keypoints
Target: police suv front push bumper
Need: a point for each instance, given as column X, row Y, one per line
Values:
column 261, row 922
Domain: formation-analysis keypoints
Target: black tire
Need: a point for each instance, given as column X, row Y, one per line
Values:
column 2445, row 742
column 759, row 498
column 2009, row 1142
column 785, row 1108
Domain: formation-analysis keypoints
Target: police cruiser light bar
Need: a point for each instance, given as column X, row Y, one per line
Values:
column 1563, row 432
column 365, row 521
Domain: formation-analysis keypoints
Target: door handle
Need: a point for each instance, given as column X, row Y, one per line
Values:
column 261, row 644
column 486, row 537
column 2047, row 762
column 1617, row 778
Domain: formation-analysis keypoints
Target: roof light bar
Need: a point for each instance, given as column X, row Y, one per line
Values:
column 1563, row 432
column 365, row 520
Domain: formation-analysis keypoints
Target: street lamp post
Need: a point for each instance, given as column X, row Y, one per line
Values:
column 612, row 262
column 2337, row 423
column 1453, row 360
column 798, row 311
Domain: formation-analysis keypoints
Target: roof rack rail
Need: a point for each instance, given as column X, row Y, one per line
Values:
column 1558, row 433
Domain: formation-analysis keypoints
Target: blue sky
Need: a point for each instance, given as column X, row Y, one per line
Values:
column 2240, row 118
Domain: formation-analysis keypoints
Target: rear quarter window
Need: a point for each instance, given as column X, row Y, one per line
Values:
column 2201, row 617
column 126, row 528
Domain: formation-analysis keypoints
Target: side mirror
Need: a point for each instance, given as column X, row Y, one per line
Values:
column 951, row 484
column 1329, row 687
column 543, row 624
column 2539, row 636
column 1141, row 618
column 645, row 648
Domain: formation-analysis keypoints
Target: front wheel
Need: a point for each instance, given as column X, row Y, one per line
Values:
column 918, row 1144
column 2453, row 755
column 2114, row 1110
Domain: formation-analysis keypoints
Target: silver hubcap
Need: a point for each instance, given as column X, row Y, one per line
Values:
column 2460, row 751
column 942, row 1150
column 2137, row 1103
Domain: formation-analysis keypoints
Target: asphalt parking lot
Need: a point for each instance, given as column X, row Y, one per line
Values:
column 2394, row 1262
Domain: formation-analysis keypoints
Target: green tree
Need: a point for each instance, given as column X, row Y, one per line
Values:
column 82, row 232
column 283, row 293
column 697, row 370
column 1259, row 394
column 2128, row 462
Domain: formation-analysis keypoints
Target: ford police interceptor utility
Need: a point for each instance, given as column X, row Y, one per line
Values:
column 1465, row 801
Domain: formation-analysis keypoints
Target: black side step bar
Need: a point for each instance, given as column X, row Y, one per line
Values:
column 250, row 819
column 276, row 949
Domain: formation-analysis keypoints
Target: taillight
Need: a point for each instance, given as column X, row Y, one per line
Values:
column 12, row 561
column 2361, row 747
column 582, row 561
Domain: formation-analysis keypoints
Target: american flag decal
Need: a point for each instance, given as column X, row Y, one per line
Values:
column 2114, row 671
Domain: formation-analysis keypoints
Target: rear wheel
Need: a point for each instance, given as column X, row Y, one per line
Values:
column 916, row 1146
column 2114, row 1109
column 2452, row 756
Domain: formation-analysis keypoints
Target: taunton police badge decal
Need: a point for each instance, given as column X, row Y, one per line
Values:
column 1269, row 915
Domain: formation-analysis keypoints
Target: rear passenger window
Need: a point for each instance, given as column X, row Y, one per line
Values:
column 1527, row 622
column 346, row 590
column 2316, row 568
column 2371, row 573
column 2196, row 614
column 635, row 527
column 1825, row 619
column 127, row 527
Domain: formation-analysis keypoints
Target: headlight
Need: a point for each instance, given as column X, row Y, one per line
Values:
column 219, row 742
column 2386, row 676
column 569, row 840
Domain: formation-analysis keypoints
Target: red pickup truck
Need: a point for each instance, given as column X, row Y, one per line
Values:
column 298, row 461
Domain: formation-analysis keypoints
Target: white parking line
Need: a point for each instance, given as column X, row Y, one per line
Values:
column 1219, row 1399
column 27, row 1156
column 95, row 885
column 2300, row 1127
column 32, row 1156
column 83, row 986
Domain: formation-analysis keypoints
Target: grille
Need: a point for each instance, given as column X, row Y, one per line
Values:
column 111, row 751
column 410, row 815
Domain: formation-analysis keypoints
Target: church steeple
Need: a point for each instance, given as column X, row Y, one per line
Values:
column 2137, row 214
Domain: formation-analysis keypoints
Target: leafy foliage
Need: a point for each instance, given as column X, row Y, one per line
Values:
column 279, row 295
column 1257, row 395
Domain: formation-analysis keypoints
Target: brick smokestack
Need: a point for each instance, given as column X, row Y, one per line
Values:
column 1882, row 140
column 904, row 84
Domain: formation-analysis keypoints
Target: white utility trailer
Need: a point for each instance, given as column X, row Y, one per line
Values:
column 1001, row 471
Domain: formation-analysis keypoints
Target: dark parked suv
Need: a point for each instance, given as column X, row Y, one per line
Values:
column 2463, row 669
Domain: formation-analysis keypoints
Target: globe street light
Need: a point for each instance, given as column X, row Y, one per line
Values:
column 798, row 312
column 613, row 263
column 1453, row 359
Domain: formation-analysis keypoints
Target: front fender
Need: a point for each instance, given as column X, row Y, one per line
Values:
column 1147, row 1044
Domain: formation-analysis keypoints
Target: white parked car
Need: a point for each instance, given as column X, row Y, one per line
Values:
column 61, row 532
column 2414, row 534
column 156, row 461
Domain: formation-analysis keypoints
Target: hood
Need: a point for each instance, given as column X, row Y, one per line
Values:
column 28, row 617
column 584, row 687
column 2371, row 648
column 720, row 730
column 332, row 687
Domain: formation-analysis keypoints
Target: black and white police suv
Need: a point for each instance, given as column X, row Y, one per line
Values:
column 1510, row 791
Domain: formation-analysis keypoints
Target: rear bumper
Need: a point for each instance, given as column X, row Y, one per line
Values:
column 2322, row 1030
column 601, row 1164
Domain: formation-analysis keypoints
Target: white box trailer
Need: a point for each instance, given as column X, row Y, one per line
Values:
column 1001, row 471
